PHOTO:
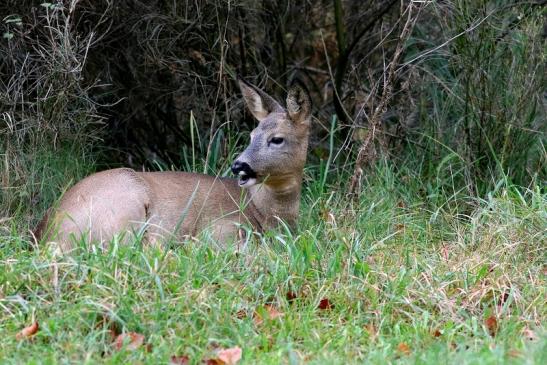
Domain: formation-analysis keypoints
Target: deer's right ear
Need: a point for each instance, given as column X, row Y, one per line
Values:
column 259, row 103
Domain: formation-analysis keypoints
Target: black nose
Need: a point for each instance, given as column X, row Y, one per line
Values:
column 239, row 166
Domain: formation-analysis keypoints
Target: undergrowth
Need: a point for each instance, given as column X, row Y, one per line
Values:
column 404, row 281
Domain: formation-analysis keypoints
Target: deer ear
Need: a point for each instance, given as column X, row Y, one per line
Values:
column 259, row 103
column 299, row 102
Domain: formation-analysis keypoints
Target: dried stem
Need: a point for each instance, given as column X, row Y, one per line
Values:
column 367, row 151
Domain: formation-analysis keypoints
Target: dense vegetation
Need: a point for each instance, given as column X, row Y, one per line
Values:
column 423, row 225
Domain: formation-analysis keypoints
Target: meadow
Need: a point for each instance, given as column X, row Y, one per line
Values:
column 383, row 279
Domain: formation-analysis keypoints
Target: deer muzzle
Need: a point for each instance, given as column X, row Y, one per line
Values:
column 246, row 175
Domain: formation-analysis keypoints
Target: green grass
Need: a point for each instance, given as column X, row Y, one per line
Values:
column 396, row 269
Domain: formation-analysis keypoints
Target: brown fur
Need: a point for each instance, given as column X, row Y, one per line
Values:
column 177, row 204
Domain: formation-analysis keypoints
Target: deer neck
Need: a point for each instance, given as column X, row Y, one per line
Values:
column 277, row 198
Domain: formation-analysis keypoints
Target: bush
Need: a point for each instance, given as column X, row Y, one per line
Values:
column 483, row 105
column 48, row 122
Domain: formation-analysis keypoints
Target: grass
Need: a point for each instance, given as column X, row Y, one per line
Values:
column 407, row 281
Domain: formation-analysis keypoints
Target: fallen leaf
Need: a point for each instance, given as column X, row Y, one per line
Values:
column 291, row 296
column 28, row 332
column 229, row 356
column 271, row 313
column 491, row 324
column 437, row 333
column 131, row 340
column 179, row 360
column 372, row 331
column 403, row 348
column 325, row 304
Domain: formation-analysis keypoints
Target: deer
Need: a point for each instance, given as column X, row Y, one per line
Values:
column 176, row 205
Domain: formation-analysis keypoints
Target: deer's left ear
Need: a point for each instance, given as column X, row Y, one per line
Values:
column 299, row 103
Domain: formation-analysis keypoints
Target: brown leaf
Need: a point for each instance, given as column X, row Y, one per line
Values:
column 325, row 304
column 437, row 333
column 131, row 340
column 179, row 360
column 491, row 324
column 372, row 331
column 291, row 296
column 403, row 348
column 28, row 332
column 229, row 356
column 271, row 313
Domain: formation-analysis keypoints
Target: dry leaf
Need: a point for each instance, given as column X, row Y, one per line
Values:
column 403, row 348
column 179, row 360
column 28, row 332
column 491, row 324
column 131, row 340
column 372, row 331
column 229, row 356
column 270, row 311
column 325, row 304
column 291, row 296
column 437, row 333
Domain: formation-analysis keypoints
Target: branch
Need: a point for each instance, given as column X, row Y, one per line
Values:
column 345, row 53
column 367, row 150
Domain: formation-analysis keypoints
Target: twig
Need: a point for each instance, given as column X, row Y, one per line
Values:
column 367, row 150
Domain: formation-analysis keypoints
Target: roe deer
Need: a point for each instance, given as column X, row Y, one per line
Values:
column 178, row 204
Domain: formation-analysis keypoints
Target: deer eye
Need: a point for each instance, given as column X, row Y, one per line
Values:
column 277, row 140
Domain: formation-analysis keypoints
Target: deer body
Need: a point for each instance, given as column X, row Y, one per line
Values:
column 174, row 205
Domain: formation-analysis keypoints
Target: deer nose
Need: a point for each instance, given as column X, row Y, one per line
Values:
column 238, row 167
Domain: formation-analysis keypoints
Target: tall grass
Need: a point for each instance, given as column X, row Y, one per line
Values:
column 483, row 107
column 45, row 134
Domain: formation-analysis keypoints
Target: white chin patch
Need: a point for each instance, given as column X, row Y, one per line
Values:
column 246, row 182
